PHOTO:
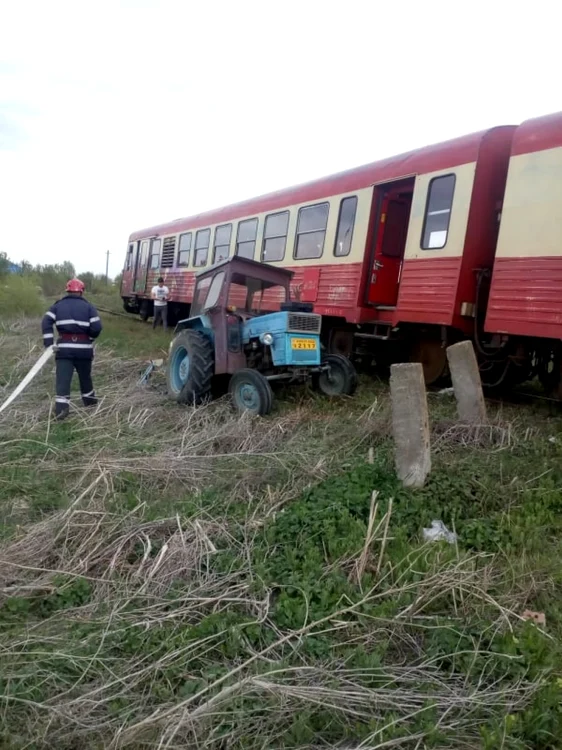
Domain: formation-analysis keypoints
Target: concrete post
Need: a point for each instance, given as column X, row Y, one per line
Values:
column 467, row 384
column 410, row 424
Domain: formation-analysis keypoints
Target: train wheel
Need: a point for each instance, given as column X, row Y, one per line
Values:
column 133, row 309
column 432, row 356
column 341, row 342
column 550, row 372
column 144, row 310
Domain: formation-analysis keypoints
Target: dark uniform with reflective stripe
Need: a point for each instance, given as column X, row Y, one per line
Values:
column 78, row 324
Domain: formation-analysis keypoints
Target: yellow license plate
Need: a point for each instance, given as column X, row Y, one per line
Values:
column 303, row 343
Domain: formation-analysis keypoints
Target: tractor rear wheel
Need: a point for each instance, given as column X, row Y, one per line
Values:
column 191, row 365
column 250, row 391
column 339, row 380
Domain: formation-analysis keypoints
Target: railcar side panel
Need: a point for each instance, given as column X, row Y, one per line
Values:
column 526, row 288
column 429, row 281
column 428, row 290
column 358, row 181
column 327, row 281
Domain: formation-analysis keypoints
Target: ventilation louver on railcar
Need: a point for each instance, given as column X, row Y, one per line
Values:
column 168, row 252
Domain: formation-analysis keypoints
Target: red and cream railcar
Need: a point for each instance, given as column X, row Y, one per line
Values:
column 396, row 255
column 524, row 308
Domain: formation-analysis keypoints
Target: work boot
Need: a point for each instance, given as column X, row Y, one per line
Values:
column 89, row 399
column 61, row 415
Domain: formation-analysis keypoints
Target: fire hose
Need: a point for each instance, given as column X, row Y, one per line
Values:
column 37, row 367
column 42, row 361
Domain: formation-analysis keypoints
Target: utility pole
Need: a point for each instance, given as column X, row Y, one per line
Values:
column 107, row 267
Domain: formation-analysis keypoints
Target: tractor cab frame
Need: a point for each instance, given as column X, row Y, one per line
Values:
column 244, row 325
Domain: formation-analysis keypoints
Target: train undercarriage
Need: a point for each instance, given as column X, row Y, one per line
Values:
column 145, row 309
column 505, row 361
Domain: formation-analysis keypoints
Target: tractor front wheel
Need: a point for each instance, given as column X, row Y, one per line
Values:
column 190, row 368
column 250, row 391
column 340, row 379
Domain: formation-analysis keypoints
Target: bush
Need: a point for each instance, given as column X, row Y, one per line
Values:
column 96, row 283
column 52, row 278
column 19, row 295
column 4, row 264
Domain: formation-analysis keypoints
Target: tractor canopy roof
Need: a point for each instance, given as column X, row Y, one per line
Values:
column 272, row 275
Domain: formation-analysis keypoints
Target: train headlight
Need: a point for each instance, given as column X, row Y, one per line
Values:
column 267, row 339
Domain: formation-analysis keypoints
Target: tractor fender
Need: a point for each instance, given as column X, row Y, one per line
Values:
column 197, row 323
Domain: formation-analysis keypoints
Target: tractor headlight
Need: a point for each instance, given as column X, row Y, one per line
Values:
column 267, row 339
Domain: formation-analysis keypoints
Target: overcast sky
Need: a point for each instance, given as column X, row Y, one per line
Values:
column 119, row 114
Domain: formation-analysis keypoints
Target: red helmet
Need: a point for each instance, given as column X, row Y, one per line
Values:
column 75, row 285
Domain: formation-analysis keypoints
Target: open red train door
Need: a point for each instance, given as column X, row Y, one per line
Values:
column 390, row 234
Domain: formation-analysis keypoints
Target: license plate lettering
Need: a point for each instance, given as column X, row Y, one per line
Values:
column 309, row 344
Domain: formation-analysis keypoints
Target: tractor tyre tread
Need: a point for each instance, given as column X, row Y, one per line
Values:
column 201, row 367
column 349, row 385
column 261, row 384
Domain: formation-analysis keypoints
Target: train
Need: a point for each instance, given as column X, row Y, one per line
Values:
column 404, row 256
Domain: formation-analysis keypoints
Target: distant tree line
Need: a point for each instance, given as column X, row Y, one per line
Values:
column 51, row 278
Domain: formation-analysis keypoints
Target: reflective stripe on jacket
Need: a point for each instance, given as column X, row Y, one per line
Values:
column 77, row 323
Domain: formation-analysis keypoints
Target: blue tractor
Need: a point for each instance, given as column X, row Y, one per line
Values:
column 234, row 333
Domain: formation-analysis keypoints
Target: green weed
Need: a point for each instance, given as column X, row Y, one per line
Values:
column 188, row 578
column 20, row 295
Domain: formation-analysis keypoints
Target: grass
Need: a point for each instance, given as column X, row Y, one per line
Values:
column 176, row 577
column 20, row 296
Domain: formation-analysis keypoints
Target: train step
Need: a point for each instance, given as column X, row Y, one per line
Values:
column 380, row 336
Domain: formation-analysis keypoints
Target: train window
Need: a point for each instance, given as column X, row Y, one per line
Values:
column 438, row 212
column 155, row 254
column 222, row 242
column 246, row 238
column 202, row 239
column 346, row 222
column 129, row 262
column 184, row 249
column 275, row 237
column 311, row 231
column 144, row 253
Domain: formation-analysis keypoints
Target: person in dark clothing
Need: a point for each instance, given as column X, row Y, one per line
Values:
column 78, row 324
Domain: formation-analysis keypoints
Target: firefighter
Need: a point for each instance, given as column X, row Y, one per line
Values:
column 78, row 324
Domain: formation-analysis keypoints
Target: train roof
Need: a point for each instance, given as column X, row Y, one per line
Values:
column 538, row 134
column 432, row 158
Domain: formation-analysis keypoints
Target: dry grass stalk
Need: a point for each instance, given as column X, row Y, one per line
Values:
column 385, row 535
column 148, row 576
column 369, row 538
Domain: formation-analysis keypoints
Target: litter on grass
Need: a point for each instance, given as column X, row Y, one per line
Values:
column 438, row 532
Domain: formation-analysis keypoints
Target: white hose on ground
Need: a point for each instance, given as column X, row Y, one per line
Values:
column 37, row 367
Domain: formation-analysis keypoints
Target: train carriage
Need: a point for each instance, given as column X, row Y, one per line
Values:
column 398, row 255
column 524, row 311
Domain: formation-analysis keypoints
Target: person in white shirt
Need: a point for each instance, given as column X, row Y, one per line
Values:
column 160, row 295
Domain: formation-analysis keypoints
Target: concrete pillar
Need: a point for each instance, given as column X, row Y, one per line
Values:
column 410, row 424
column 467, row 384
